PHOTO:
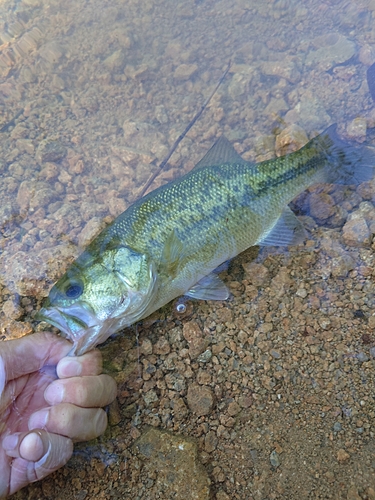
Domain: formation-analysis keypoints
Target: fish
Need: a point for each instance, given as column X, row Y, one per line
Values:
column 168, row 243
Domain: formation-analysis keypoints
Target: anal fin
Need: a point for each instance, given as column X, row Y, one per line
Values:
column 288, row 230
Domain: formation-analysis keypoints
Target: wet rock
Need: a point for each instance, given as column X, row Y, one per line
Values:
column 200, row 399
column 115, row 61
column 145, row 138
column 332, row 49
column 257, row 274
column 276, row 107
column 185, row 71
column 91, row 229
column 162, row 346
column 290, row 139
column 309, row 113
column 12, row 310
column 197, row 341
column 356, row 233
column 284, row 69
column 51, row 151
column 173, row 461
column 356, row 129
column 239, row 85
column 340, row 266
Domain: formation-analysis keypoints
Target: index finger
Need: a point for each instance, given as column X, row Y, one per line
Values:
column 30, row 353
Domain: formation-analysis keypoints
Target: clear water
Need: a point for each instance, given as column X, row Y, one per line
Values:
column 92, row 97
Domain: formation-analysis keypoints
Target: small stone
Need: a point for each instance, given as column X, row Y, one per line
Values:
column 357, row 129
column 290, row 139
column 162, row 346
column 301, row 292
column 200, row 399
column 205, row 356
column 91, row 229
column 340, row 266
column 356, row 233
column 150, row 397
column 275, row 354
column 342, row 455
column 274, row 459
column 233, row 408
column 194, row 336
column 185, row 71
column 51, row 151
column 337, row 427
column 257, row 274
column 221, row 495
column 353, row 494
column 322, row 206
column 210, row 441
column 12, row 310
column 362, row 357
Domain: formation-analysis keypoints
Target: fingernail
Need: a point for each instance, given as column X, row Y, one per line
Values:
column 31, row 447
column 69, row 367
column 39, row 419
column 54, row 393
column 10, row 442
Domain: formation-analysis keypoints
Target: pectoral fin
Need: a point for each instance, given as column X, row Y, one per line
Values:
column 209, row 288
column 288, row 230
column 173, row 254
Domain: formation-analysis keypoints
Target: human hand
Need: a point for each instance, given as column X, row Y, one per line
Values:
column 48, row 400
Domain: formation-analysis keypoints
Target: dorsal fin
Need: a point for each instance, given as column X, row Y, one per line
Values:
column 221, row 152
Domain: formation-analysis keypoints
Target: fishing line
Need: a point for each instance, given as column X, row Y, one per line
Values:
column 182, row 135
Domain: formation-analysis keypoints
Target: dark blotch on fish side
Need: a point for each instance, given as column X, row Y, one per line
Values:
column 371, row 80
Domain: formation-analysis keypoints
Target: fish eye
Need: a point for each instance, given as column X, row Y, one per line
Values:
column 74, row 290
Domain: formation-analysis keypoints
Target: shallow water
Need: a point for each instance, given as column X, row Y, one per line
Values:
column 274, row 388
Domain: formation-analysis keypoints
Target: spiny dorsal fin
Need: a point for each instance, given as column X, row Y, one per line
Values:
column 221, row 152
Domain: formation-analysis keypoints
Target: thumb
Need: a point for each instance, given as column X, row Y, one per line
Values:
column 37, row 453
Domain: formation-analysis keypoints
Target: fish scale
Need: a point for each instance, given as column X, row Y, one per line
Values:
column 168, row 243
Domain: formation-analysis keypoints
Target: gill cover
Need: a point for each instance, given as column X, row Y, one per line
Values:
column 98, row 296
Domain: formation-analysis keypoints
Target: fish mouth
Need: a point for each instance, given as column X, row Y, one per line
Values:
column 77, row 323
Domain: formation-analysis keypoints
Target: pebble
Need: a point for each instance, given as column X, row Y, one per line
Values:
column 290, row 139
column 332, row 49
column 342, row 455
column 356, row 233
column 274, row 459
column 337, row 426
column 200, row 399
column 51, row 151
column 185, row 71
column 357, row 129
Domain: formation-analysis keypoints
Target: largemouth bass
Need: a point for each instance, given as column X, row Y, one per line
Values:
column 168, row 243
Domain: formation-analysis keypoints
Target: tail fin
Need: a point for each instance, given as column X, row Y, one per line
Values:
column 346, row 163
